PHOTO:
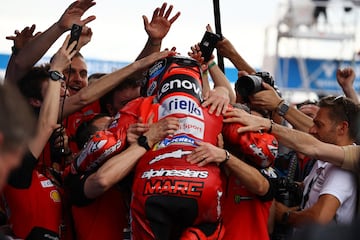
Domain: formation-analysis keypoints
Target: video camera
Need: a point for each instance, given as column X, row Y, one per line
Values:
column 287, row 191
column 250, row 84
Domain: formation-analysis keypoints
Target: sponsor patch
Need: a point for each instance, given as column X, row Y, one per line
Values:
column 175, row 173
column 55, row 196
column 180, row 83
column 153, row 75
column 191, row 126
column 179, row 139
column 46, row 184
column 180, row 105
column 174, row 187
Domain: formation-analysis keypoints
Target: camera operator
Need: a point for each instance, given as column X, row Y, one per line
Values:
column 330, row 192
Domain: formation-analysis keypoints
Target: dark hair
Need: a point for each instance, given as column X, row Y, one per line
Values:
column 95, row 76
column 17, row 122
column 306, row 102
column 86, row 129
column 30, row 85
column 343, row 109
column 109, row 97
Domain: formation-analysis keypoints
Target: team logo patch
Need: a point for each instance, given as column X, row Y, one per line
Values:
column 55, row 196
column 175, row 154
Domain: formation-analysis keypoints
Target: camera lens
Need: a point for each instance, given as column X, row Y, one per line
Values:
column 248, row 85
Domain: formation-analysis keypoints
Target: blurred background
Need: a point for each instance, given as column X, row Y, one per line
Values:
column 283, row 37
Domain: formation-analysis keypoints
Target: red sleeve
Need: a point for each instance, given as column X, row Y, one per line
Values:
column 258, row 147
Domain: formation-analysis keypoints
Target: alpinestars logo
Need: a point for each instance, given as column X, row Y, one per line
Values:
column 180, row 83
column 174, row 173
column 175, row 154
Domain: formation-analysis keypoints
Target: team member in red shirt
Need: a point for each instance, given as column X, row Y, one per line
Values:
column 33, row 199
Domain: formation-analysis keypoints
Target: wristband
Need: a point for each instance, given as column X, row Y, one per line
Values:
column 227, row 157
column 14, row 50
column 211, row 65
column 271, row 126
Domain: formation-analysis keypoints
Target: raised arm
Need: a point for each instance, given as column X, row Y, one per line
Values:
column 294, row 139
column 49, row 110
column 269, row 99
column 157, row 29
column 33, row 50
column 346, row 77
column 227, row 50
column 94, row 91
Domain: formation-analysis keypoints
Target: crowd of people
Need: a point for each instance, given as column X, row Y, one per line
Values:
column 154, row 151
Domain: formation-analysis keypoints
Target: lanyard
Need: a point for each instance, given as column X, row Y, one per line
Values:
column 306, row 196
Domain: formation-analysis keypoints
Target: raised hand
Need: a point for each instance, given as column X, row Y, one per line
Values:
column 21, row 38
column 160, row 23
column 345, row 77
column 152, row 58
column 85, row 37
column 74, row 13
column 63, row 56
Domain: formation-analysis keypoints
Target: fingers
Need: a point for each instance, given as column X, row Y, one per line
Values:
column 146, row 20
column 87, row 20
column 155, row 13
column 167, row 14
column 204, row 154
column 138, row 129
column 162, row 9
column 151, row 118
column 216, row 104
column 249, row 129
column 220, row 141
column 66, row 42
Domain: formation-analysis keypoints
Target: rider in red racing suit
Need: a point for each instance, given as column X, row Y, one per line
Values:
column 171, row 195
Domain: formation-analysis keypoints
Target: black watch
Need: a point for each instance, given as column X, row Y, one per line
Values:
column 56, row 75
column 143, row 142
column 283, row 108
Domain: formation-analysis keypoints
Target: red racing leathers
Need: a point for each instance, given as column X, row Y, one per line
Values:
column 170, row 195
column 164, row 179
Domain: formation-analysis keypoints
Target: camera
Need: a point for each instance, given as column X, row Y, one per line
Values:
column 250, row 84
column 207, row 44
column 75, row 34
column 287, row 191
